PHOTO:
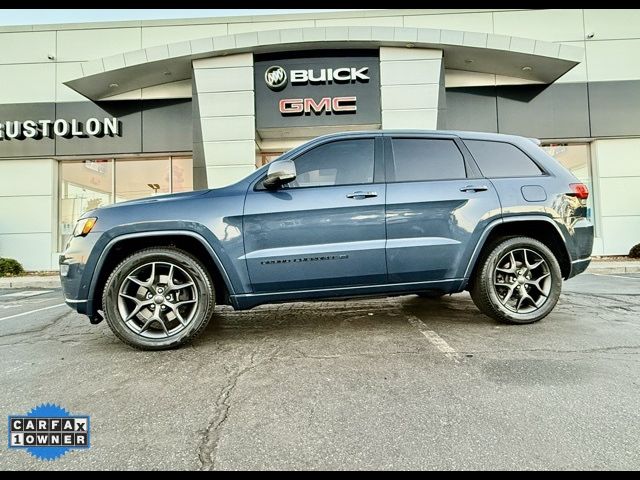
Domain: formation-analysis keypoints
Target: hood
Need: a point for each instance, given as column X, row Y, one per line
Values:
column 170, row 197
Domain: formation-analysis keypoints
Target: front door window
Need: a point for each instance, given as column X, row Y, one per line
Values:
column 346, row 162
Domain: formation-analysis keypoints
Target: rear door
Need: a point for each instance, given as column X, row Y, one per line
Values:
column 437, row 206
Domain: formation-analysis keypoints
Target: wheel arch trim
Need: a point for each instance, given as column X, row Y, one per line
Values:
column 500, row 221
column 156, row 233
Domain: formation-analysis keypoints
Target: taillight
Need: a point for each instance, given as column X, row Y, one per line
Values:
column 579, row 190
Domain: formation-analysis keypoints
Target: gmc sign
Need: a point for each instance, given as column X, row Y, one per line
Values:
column 317, row 91
column 299, row 106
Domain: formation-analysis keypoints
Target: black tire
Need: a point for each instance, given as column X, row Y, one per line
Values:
column 200, row 308
column 489, row 299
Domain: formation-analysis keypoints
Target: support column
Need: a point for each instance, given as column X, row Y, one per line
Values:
column 29, row 206
column 412, row 88
column 224, row 133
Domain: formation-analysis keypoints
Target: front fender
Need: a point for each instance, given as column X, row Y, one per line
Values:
column 233, row 278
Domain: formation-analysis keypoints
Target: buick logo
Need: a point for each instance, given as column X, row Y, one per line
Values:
column 275, row 77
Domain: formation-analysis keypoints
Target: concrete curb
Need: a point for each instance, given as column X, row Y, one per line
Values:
column 609, row 268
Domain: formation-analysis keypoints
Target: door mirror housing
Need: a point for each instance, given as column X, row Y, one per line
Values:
column 280, row 173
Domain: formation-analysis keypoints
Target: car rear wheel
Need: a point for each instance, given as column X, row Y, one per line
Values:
column 519, row 281
column 158, row 298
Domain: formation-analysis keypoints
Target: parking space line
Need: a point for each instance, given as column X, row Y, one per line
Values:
column 435, row 339
column 615, row 276
column 32, row 311
column 24, row 294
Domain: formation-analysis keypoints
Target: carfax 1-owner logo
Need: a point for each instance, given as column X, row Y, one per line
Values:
column 48, row 431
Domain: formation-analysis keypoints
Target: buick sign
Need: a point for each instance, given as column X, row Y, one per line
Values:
column 275, row 77
column 330, row 75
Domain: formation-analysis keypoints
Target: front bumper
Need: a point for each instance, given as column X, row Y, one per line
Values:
column 79, row 306
column 74, row 276
column 579, row 266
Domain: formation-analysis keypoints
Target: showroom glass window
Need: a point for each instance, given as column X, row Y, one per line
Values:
column 88, row 184
column 576, row 158
column 142, row 177
column 84, row 185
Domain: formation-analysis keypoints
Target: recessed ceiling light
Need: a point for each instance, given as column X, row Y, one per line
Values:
column 527, row 69
column 410, row 45
column 113, row 85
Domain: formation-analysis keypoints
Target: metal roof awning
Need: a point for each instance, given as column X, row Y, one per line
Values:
column 529, row 59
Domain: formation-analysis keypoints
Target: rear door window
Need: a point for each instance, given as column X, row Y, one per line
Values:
column 423, row 159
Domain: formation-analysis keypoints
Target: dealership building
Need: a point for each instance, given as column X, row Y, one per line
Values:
column 99, row 113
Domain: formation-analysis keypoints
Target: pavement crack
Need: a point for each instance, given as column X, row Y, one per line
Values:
column 40, row 330
column 624, row 298
column 208, row 447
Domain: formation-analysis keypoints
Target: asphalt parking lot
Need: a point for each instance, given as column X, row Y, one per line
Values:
column 397, row 383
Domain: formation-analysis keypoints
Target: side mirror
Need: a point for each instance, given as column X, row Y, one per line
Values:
column 280, row 173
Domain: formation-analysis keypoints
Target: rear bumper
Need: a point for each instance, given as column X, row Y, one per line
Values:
column 579, row 241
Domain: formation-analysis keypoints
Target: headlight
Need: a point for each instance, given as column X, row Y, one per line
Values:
column 84, row 226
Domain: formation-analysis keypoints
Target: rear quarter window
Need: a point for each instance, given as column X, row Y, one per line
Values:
column 500, row 159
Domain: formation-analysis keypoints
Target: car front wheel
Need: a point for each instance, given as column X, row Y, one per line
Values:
column 158, row 298
column 519, row 281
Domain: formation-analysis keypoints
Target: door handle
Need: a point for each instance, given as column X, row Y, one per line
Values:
column 474, row 188
column 361, row 195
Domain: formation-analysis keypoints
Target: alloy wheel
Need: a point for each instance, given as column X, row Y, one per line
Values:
column 158, row 300
column 522, row 280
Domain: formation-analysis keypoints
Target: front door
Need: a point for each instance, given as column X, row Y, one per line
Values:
column 326, row 228
column 437, row 207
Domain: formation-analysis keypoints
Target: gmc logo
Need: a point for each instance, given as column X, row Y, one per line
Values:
column 328, row 105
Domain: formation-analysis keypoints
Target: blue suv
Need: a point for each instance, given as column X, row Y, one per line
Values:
column 344, row 215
